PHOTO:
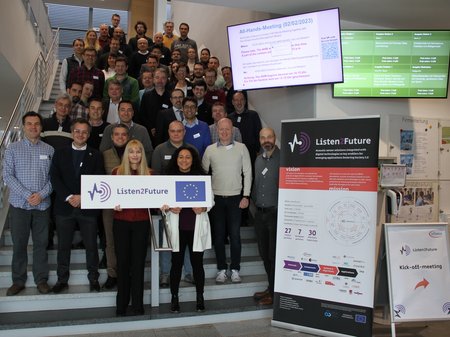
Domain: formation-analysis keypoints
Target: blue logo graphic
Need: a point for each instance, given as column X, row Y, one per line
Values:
column 405, row 250
column 104, row 190
column 190, row 191
column 360, row 319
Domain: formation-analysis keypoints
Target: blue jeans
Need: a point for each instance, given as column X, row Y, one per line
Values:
column 65, row 227
column 22, row 222
column 227, row 216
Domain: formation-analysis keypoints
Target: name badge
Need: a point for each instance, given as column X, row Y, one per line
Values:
column 215, row 97
column 229, row 147
column 239, row 119
column 167, row 157
column 165, row 106
column 196, row 135
column 100, row 135
column 43, row 157
column 60, row 128
column 189, row 88
column 95, row 77
column 264, row 171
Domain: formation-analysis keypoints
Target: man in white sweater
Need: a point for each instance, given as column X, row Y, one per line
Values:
column 228, row 160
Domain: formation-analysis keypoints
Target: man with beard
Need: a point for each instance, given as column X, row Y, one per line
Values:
column 265, row 197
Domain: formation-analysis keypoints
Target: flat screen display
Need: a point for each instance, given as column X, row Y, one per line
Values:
column 288, row 51
column 388, row 63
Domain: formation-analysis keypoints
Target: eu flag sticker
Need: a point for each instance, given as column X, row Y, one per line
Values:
column 190, row 191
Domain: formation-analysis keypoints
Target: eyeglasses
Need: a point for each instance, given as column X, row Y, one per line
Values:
column 189, row 107
column 80, row 132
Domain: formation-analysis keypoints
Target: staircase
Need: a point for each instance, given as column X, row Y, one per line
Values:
column 78, row 307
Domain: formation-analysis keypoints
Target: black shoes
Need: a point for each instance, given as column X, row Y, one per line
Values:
column 58, row 287
column 110, row 283
column 200, row 303
column 94, row 286
column 174, row 304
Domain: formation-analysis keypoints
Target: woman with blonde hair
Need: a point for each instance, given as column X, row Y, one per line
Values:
column 91, row 40
column 131, row 232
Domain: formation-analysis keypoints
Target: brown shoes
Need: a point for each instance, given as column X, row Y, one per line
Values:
column 268, row 300
column 14, row 289
column 261, row 294
column 43, row 288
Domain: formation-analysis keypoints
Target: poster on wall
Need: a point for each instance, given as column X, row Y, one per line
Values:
column 418, row 271
column 420, row 202
column 325, row 259
column 413, row 141
column 444, row 149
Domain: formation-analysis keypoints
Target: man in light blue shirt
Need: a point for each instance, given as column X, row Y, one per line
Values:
column 26, row 172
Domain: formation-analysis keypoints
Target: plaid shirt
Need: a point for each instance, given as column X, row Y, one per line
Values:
column 78, row 111
column 83, row 74
column 26, row 171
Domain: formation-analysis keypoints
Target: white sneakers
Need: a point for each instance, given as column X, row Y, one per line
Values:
column 222, row 276
column 235, row 278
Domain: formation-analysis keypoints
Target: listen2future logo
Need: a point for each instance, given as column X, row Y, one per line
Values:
column 103, row 189
column 304, row 142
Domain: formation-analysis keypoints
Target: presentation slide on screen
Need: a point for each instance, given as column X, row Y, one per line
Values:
column 294, row 50
column 394, row 64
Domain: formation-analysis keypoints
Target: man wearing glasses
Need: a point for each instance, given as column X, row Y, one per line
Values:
column 68, row 165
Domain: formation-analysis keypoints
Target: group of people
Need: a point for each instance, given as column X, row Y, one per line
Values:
column 172, row 119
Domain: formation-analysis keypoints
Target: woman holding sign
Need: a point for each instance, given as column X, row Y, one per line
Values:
column 187, row 227
column 131, row 232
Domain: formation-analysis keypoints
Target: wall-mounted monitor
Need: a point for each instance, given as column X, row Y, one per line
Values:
column 287, row 51
column 394, row 63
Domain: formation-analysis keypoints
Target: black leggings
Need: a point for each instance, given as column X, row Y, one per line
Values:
column 186, row 239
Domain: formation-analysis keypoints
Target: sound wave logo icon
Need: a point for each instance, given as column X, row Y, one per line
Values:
column 399, row 309
column 446, row 308
column 405, row 250
column 303, row 141
column 104, row 190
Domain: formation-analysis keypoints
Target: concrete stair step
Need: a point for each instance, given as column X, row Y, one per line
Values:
column 246, row 233
column 250, row 265
column 249, row 248
column 79, row 296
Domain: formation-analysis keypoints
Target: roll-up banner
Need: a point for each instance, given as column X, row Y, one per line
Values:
column 325, row 257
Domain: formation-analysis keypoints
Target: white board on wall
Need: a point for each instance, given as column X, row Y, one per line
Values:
column 413, row 141
column 444, row 149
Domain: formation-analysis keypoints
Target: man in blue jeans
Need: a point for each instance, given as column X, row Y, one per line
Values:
column 26, row 172
column 228, row 160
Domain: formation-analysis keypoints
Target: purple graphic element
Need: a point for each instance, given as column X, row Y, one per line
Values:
column 294, row 265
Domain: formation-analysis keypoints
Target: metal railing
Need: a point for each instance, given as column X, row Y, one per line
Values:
column 30, row 98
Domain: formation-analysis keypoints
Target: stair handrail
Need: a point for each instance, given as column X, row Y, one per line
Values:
column 158, row 243
column 29, row 98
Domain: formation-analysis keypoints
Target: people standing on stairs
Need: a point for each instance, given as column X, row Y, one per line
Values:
column 26, row 169
column 68, row 165
column 131, row 228
column 229, row 162
column 188, row 227
column 112, row 158
column 70, row 63
column 265, row 197
column 56, row 133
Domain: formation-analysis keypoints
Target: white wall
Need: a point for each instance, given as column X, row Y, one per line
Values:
column 208, row 26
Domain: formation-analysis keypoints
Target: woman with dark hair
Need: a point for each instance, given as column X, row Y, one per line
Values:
column 181, row 80
column 131, row 232
column 205, row 54
column 187, row 227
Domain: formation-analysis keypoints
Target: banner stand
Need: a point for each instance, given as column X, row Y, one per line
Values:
column 418, row 272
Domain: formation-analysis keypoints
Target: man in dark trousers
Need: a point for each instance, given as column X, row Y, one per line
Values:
column 68, row 165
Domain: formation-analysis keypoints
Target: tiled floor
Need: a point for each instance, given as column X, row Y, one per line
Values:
column 262, row 328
